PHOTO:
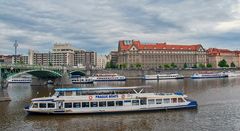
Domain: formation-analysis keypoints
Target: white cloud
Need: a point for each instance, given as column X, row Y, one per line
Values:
column 98, row 25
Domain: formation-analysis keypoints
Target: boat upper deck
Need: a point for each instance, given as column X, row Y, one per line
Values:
column 101, row 89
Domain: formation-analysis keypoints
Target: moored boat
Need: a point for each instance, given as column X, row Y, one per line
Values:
column 232, row 74
column 163, row 76
column 107, row 100
column 108, row 77
column 82, row 80
column 208, row 75
column 21, row 79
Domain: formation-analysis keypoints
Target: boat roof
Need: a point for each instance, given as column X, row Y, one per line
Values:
column 100, row 88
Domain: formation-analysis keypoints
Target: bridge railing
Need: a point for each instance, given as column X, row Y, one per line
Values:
column 23, row 66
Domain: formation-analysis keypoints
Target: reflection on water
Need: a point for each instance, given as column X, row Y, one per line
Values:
column 219, row 105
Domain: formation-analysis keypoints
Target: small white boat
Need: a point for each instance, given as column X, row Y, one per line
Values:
column 82, row 80
column 208, row 75
column 108, row 77
column 163, row 76
column 232, row 74
column 21, row 79
column 107, row 100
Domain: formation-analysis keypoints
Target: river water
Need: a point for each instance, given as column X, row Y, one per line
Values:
column 218, row 99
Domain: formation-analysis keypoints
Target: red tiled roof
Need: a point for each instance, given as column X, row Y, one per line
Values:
column 216, row 51
column 138, row 45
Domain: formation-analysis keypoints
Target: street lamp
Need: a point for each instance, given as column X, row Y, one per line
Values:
column 15, row 57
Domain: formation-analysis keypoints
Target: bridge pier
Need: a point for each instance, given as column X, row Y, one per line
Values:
column 63, row 81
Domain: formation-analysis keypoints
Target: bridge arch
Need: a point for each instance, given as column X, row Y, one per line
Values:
column 43, row 73
column 77, row 73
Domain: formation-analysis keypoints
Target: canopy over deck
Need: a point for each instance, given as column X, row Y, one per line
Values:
column 101, row 88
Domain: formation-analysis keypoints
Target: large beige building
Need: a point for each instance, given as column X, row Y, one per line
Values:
column 159, row 54
column 36, row 58
column 102, row 61
column 84, row 58
column 214, row 56
column 64, row 55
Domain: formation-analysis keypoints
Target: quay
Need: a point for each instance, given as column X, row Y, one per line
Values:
column 3, row 99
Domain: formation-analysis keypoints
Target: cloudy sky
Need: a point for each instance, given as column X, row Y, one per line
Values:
column 98, row 24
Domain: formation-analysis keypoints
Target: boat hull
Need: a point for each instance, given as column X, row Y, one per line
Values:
column 191, row 105
column 208, row 77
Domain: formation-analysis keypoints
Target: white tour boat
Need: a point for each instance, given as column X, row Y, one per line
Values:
column 209, row 75
column 107, row 100
column 163, row 76
column 21, row 79
column 82, row 80
column 108, row 77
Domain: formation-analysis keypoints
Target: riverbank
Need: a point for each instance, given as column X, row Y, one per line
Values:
column 3, row 99
column 138, row 74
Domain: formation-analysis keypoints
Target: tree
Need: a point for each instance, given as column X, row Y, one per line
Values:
column 138, row 65
column 160, row 67
column 124, row 65
column 209, row 65
column 201, row 65
column 50, row 64
column 132, row 66
column 173, row 65
column 223, row 63
column 108, row 65
column 233, row 65
column 185, row 65
column 195, row 66
column 166, row 66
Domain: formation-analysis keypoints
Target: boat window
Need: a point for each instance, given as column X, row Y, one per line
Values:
column 61, row 93
column 135, row 102
column 174, row 100
column 102, row 104
column 78, row 93
column 68, row 105
column 180, row 100
column 51, row 105
column 143, row 101
column 35, row 105
column 68, row 93
column 110, row 103
column 151, row 101
column 158, row 101
column 167, row 100
column 85, row 104
column 127, row 101
column 119, row 103
column 76, row 105
column 42, row 105
column 94, row 104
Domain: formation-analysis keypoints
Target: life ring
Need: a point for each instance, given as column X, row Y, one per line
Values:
column 123, row 96
column 90, row 98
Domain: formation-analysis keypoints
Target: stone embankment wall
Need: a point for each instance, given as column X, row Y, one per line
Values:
column 134, row 74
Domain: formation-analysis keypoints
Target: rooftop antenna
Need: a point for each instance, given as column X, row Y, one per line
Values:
column 15, row 46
